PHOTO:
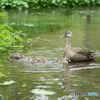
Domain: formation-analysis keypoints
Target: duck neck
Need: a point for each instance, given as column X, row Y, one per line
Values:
column 68, row 41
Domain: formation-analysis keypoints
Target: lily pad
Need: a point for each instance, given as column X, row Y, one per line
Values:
column 7, row 82
column 41, row 91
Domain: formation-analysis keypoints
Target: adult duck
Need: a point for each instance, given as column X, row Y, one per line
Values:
column 16, row 56
column 76, row 55
column 88, row 17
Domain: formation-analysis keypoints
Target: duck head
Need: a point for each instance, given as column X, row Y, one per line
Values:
column 88, row 17
column 32, row 60
column 67, row 59
column 67, row 34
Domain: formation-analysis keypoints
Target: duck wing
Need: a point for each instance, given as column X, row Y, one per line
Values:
column 81, row 55
column 79, row 51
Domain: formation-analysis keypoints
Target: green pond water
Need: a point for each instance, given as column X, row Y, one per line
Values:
column 49, row 25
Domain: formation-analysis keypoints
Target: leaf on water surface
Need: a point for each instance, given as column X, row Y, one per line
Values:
column 0, row 95
column 24, row 85
column 19, row 93
column 41, row 91
column 2, row 75
column 7, row 82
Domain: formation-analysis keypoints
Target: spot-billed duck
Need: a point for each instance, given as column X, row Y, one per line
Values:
column 76, row 55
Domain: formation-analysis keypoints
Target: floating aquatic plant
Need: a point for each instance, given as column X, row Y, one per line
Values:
column 41, row 91
column 7, row 82
column 24, row 85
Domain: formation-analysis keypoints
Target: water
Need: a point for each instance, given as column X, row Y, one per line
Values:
column 49, row 25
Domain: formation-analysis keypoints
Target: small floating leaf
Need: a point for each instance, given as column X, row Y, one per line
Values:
column 24, row 85
column 0, row 95
column 2, row 75
column 41, row 91
column 38, row 37
column 7, row 82
column 19, row 93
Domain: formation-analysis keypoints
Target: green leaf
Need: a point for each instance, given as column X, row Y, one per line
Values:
column 53, row 1
column 19, row 93
column 0, row 95
column 29, row 52
column 7, row 82
column 2, row 75
column 24, row 85
column 41, row 91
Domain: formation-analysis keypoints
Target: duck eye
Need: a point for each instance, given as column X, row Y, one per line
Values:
column 69, row 32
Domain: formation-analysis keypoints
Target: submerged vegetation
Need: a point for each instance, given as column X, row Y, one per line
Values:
column 20, row 4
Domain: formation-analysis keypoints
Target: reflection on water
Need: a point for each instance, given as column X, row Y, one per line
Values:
column 49, row 24
column 67, row 76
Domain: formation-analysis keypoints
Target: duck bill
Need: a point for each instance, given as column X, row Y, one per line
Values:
column 69, row 60
column 63, row 36
column 84, row 17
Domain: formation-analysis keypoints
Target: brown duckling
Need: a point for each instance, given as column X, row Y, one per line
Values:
column 76, row 55
column 28, row 60
column 16, row 56
column 62, row 60
column 41, row 59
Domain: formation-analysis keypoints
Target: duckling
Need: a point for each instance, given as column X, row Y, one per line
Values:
column 41, row 59
column 16, row 56
column 76, row 55
column 28, row 60
column 63, row 60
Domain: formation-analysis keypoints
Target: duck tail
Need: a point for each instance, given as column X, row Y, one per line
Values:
column 94, row 56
